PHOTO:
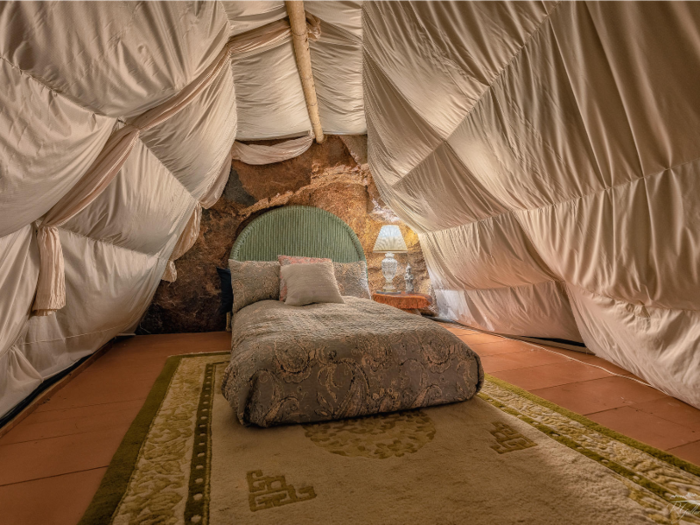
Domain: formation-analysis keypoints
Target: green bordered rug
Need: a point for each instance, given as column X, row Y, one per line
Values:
column 504, row 457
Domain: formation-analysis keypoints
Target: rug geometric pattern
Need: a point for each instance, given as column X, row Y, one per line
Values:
column 169, row 468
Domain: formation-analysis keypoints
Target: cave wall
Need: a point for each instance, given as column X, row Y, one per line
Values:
column 327, row 176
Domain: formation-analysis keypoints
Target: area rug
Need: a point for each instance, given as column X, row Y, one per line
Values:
column 503, row 457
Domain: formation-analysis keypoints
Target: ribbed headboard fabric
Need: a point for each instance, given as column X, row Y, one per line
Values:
column 299, row 231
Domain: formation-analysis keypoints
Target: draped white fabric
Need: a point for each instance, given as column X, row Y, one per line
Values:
column 547, row 155
column 268, row 89
column 50, row 294
column 259, row 154
column 116, row 126
column 69, row 72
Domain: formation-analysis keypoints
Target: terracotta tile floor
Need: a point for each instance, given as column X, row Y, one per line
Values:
column 51, row 464
column 619, row 403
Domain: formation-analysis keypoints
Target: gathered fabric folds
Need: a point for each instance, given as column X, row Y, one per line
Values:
column 184, row 243
column 258, row 154
column 545, row 154
column 115, row 134
column 51, row 286
column 191, row 232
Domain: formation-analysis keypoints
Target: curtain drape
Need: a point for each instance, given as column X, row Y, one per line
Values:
column 189, row 235
column 257, row 154
column 553, row 184
column 51, row 288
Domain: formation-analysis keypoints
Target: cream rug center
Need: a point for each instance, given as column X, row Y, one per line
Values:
column 503, row 457
column 377, row 437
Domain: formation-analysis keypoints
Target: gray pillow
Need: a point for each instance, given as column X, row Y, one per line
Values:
column 352, row 279
column 254, row 281
column 310, row 283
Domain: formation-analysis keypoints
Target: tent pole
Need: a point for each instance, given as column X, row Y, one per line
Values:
column 300, row 40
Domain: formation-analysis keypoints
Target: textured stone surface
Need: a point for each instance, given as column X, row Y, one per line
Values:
column 325, row 177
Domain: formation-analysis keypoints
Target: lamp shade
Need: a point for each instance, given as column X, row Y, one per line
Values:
column 390, row 240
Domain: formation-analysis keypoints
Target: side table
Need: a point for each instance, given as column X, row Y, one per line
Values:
column 408, row 302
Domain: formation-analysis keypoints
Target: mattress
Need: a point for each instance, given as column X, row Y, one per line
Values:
column 322, row 362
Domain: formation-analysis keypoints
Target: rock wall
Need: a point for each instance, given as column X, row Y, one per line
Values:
column 328, row 176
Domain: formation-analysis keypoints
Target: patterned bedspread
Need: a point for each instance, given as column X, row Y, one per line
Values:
column 331, row 361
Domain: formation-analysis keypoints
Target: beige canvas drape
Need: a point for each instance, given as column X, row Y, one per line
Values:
column 250, row 154
column 258, row 154
column 546, row 155
column 184, row 243
column 189, row 235
column 51, row 288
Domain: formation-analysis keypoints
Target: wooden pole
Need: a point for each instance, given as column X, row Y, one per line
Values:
column 300, row 40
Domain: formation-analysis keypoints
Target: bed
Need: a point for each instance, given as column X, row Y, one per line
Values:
column 303, row 364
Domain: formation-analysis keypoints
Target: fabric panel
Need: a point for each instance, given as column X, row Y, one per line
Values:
column 247, row 16
column 128, row 214
column 19, row 271
column 269, row 96
column 108, row 287
column 186, row 240
column 539, row 310
column 95, row 52
column 336, row 59
column 544, row 154
column 48, row 142
column 258, row 154
column 18, row 379
column 629, row 335
column 192, row 143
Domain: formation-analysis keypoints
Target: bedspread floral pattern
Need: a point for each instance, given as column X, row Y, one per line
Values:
column 332, row 361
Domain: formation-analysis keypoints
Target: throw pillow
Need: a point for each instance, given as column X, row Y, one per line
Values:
column 352, row 279
column 310, row 283
column 284, row 260
column 253, row 281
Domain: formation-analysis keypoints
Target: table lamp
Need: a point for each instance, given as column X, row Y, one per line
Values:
column 389, row 242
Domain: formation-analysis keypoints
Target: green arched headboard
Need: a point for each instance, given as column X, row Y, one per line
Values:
column 300, row 231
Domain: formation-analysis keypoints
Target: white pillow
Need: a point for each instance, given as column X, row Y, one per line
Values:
column 310, row 283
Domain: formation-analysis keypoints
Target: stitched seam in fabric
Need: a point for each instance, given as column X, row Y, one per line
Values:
column 133, row 250
column 487, row 90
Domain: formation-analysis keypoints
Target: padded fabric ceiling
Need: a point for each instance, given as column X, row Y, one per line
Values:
column 547, row 154
column 270, row 99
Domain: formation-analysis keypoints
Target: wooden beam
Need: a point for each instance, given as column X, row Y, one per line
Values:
column 300, row 40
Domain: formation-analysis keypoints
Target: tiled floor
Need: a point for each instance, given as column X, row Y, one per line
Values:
column 51, row 464
column 619, row 403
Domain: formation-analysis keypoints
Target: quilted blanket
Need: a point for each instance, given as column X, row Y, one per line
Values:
column 292, row 364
